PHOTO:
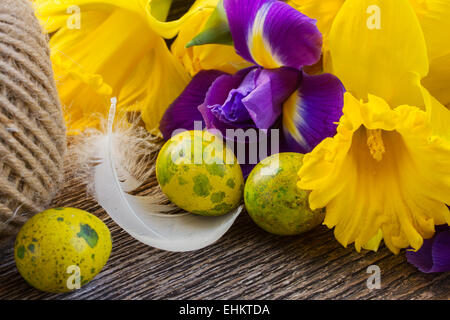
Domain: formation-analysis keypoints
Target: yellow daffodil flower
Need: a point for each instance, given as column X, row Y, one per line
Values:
column 105, row 48
column 386, row 174
column 433, row 18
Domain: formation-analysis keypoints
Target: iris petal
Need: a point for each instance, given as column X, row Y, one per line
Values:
column 184, row 110
column 217, row 95
column 273, row 87
column 311, row 113
column 434, row 255
column 272, row 34
column 252, row 98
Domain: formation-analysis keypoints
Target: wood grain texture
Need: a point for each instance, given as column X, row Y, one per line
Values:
column 247, row 263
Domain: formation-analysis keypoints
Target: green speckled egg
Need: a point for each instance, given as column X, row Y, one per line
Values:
column 274, row 201
column 200, row 174
column 61, row 249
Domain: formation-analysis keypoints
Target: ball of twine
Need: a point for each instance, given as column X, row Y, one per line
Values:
column 32, row 130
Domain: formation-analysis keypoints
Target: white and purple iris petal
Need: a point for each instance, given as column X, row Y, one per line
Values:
column 312, row 112
column 272, row 34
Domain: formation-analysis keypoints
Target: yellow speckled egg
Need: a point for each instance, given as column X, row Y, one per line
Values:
column 200, row 174
column 274, row 201
column 61, row 249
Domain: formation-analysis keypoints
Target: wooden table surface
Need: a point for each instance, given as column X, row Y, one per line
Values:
column 247, row 263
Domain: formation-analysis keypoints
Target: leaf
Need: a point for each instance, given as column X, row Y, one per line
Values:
column 142, row 217
column 216, row 30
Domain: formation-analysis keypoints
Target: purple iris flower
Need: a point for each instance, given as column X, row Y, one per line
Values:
column 434, row 255
column 273, row 94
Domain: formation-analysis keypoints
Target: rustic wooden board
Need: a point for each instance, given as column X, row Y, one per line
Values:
column 247, row 263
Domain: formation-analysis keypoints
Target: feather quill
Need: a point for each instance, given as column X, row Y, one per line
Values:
column 144, row 217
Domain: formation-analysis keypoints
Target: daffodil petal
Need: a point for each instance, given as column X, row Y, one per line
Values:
column 385, row 40
column 146, row 89
column 272, row 34
column 160, row 9
column 438, row 114
column 438, row 80
column 166, row 81
column 86, row 70
column 151, row 11
column 312, row 112
column 324, row 11
column 434, row 18
column 375, row 242
column 170, row 29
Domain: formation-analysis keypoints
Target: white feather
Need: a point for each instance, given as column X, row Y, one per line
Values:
column 142, row 217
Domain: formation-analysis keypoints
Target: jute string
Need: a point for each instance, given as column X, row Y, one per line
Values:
column 32, row 131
